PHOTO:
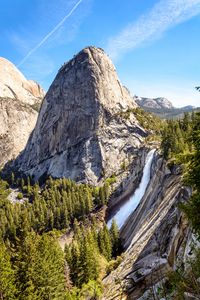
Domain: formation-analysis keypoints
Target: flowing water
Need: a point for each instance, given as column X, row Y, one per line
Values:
column 125, row 210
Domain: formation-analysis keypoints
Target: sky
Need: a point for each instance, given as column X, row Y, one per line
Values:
column 154, row 44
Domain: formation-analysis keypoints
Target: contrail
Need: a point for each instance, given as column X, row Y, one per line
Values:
column 50, row 33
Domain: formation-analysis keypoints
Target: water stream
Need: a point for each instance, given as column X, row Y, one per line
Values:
column 125, row 210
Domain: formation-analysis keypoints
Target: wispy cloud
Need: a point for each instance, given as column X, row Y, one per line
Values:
column 47, row 36
column 164, row 15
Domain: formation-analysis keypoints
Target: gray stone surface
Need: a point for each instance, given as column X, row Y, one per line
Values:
column 17, row 117
column 14, row 85
column 154, row 235
column 80, row 132
column 17, row 122
column 155, row 103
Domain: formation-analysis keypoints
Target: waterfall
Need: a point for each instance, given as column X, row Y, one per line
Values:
column 125, row 210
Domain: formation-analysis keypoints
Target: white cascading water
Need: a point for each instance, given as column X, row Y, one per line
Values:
column 124, row 212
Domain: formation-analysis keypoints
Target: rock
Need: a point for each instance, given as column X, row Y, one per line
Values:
column 18, row 97
column 153, row 235
column 127, row 181
column 14, row 85
column 189, row 296
column 155, row 103
column 81, row 132
column 17, row 122
column 163, row 108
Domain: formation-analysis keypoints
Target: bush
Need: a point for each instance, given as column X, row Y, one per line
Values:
column 113, row 264
column 20, row 196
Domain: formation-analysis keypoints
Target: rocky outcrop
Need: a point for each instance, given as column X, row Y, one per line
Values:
column 127, row 181
column 164, row 108
column 14, row 85
column 81, row 132
column 153, row 236
column 17, row 121
column 154, row 103
column 19, row 99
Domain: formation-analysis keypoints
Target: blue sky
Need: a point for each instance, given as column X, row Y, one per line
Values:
column 154, row 44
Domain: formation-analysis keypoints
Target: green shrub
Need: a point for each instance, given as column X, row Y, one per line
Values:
column 20, row 196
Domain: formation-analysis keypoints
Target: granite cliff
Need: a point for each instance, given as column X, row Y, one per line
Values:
column 156, row 235
column 81, row 132
column 154, row 103
column 14, row 85
column 18, row 99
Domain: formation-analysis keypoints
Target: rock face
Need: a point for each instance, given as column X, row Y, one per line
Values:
column 154, row 235
column 164, row 108
column 81, row 132
column 18, row 96
column 154, row 103
column 17, row 121
column 14, row 85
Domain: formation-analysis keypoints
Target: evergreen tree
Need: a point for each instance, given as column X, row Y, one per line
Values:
column 49, row 277
column 105, row 245
column 40, row 268
column 88, row 261
column 192, row 208
column 114, row 234
column 7, row 275
column 74, row 263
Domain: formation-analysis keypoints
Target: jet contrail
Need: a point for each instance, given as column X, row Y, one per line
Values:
column 50, row 33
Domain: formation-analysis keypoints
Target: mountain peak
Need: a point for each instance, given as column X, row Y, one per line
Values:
column 154, row 103
column 94, row 66
column 80, row 133
column 14, row 85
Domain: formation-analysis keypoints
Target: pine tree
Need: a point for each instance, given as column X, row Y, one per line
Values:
column 40, row 266
column 105, row 245
column 88, row 200
column 12, row 178
column 114, row 235
column 192, row 208
column 7, row 275
column 74, row 263
column 102, row 196
column 88, row 262
column 49, row 277
column 22, row 184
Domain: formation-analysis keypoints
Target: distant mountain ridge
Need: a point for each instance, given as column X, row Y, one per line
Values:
column 154, row 103
column 163, row 108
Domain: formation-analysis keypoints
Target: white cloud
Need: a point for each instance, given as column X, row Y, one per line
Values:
column 164, row 15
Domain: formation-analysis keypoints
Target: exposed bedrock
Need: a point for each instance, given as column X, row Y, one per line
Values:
column 153, row 235
column 19, row 99
column 80, row 132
